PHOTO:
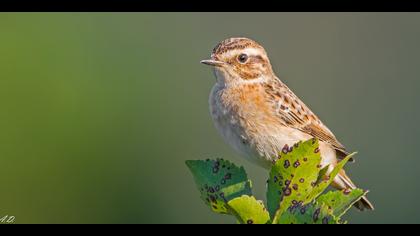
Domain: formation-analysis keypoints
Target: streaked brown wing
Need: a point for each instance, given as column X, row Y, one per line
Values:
column 294, row 113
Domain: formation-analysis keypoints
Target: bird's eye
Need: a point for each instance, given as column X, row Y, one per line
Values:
column 242, row 58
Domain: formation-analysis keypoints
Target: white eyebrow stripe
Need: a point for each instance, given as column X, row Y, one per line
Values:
column 248, row 51
column 253, row 51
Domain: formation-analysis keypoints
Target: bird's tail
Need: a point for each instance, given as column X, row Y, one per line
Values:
column 363, row 203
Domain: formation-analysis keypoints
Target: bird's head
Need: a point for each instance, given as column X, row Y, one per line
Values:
column 237, row 60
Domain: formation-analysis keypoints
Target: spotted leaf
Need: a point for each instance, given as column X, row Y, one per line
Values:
column 219, row 181
column 293, row 176
column 325, row 181
column 313, row 213
column 248, row 210
column 341, row 201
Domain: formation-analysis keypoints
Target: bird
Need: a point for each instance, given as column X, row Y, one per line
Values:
column 258, row 115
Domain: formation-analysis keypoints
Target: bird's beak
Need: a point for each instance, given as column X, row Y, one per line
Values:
column 212, row 62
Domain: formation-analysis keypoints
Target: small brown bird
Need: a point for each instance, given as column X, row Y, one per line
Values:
column 257, row 114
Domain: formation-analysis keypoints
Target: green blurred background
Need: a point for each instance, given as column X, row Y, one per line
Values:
column 99, row 111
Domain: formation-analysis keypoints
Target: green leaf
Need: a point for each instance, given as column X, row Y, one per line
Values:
column 294, row 189
column 312, row 213
column 322, row 174
column 341, row 201
column 327, row 180
column 248, row 210
column 293, row 176
column 219, row 181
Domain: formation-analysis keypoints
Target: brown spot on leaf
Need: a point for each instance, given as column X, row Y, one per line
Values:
column 316, row 214
column 212, row 198
column 286, row 164
column 285, row 149
column 287, row 191
column 303, row 210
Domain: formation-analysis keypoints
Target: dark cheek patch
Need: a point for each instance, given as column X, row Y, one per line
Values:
column 247, row 71
column 259, row 59
column 248, row 75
